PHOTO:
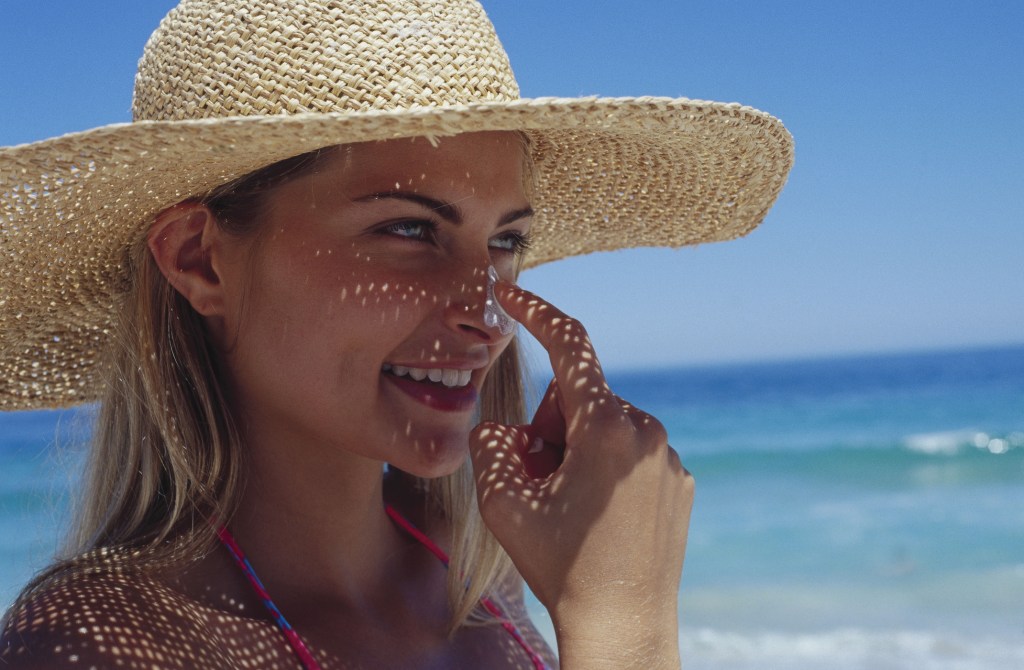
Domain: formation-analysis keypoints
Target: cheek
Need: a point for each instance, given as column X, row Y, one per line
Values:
column 328, row 286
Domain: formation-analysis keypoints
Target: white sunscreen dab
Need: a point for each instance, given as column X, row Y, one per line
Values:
column 494, row 315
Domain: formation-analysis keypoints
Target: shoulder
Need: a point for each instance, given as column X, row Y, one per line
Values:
column 101, row 618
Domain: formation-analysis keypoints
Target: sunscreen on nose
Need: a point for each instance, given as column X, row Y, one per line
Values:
column 494, row 315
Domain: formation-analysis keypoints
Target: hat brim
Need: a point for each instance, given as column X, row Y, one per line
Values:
column 611, row 173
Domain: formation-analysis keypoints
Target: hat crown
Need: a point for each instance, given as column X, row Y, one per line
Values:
column 214, row 59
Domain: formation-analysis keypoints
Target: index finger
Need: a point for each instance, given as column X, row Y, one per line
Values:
column 573, row 360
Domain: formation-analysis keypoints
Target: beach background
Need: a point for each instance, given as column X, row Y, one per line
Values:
column 857, row 512
column 845, row 382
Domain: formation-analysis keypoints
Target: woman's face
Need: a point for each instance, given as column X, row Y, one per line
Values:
column 368, row 273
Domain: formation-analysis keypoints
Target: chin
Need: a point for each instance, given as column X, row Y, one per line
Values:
column 433, row 458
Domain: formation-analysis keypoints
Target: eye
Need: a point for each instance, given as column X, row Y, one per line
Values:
column 514, row 241
column 412, row 229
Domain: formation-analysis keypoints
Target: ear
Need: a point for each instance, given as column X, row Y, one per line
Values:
column 181, row 240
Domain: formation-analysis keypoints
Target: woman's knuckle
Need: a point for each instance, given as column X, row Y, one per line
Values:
column 574, row 330
column 652, row 430
column 688, row 482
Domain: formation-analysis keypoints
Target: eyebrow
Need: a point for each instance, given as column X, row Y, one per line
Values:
column 446, row 210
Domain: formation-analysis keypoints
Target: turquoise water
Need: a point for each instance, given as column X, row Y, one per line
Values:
column 851, row 513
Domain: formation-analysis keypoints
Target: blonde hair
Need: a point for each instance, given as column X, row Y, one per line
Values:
column 166, row 462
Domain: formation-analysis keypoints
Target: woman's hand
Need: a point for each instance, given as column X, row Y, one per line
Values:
column 590, row 502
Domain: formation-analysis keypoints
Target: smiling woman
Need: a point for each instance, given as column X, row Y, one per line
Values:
column 290, row 285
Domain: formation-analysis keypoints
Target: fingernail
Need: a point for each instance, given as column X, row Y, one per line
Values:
column 536, row 446
column 494, row 315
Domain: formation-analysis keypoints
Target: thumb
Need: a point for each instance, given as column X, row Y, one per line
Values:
column 547, row 436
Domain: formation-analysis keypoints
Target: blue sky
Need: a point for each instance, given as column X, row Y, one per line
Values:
column 902, row 226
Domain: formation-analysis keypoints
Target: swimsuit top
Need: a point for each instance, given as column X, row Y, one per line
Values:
column 296, row 643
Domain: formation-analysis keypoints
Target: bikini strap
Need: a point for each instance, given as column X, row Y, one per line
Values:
column 296, row 643
column 489, row 605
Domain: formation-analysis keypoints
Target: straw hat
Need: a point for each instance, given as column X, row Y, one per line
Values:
column 228, row 86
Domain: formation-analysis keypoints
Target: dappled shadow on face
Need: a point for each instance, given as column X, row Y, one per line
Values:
column 378, row 256
column 444, row 363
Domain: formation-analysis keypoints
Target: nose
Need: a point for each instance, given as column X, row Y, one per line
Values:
column 465, row 308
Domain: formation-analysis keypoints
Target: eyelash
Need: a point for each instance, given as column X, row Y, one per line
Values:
column 518, row 242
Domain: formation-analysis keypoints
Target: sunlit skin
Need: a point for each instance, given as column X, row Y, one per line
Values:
column 378, row 259
column 356, row 269
column 609, row 518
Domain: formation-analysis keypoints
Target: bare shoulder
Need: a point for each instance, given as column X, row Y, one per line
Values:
column 102, row 618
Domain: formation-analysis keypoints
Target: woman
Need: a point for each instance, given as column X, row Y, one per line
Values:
column 298, row 266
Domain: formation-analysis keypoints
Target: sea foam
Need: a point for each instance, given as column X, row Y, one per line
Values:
column 848, row 649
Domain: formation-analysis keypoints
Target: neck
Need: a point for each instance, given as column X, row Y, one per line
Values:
column 316, row 526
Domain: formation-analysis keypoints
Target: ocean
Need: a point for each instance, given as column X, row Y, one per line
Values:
column 851, row 512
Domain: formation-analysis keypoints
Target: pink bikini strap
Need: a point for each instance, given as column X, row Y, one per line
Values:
column 489, row 605
column 296, row 643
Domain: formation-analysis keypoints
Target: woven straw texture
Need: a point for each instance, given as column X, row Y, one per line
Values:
column 225, row 87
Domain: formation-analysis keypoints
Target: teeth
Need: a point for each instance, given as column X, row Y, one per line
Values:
column 447, row 376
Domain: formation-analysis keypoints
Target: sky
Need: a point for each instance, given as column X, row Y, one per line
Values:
column 902, row 224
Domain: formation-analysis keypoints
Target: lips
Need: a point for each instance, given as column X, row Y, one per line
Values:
column 443, row 389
